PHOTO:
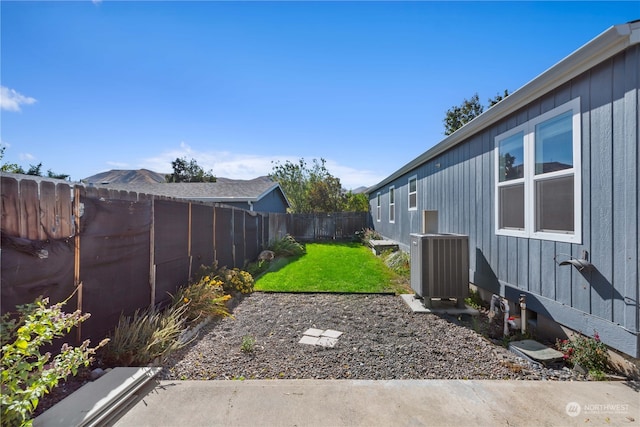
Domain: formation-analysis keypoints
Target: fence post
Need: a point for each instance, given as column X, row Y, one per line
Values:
column 77, row 284
column 152, row 252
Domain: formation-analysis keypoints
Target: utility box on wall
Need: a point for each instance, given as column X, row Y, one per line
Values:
column 440, row 266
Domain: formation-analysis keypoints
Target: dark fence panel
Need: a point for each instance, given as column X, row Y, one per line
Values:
column 171, row 229
column 224, row 236
column 238, row 238
column 251, row 237
column 114, row 259
column 201, row 236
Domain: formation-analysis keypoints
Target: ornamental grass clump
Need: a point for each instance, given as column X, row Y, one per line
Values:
column 287, row 247
column 26, row 373
column 202, row 299
column 145, row 337
column 589, row 353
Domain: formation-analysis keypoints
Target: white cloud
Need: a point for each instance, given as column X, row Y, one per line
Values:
column 248, row 166
column 27, row 157
column 119, row 165
column 11, row 100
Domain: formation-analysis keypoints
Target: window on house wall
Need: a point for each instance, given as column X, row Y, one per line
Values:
column 413, row 193
column 378, row 207
column 392, row 204
column 538, row 190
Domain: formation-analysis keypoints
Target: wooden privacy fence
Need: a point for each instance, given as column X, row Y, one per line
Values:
column 124, row 250
column 120, row 250
column 317, row 226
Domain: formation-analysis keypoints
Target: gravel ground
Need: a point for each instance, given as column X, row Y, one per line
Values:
column 382, row 340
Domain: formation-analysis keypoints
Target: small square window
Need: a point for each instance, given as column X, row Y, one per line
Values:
column 392, row 204
column 511, row 207
column 554, row 205
column 413, row 193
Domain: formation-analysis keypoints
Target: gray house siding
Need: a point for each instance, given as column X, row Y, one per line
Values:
column 459, row 184
column 271, row 202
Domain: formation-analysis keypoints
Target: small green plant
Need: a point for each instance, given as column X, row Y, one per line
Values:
column 286, row 247
column 146, row 336
column 248, row 344
column 474, row 300
column 589, row 353
column 26, row 373
column 202, row 299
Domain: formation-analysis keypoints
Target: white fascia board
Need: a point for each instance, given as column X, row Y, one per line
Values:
column 609, row 43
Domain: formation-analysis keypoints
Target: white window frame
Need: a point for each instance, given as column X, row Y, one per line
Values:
column 378, row 207
column 530, row 178
column 409, row 193
column 392, row 204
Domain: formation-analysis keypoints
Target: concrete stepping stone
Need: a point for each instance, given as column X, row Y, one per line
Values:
column 313, row 332
column 324, row 338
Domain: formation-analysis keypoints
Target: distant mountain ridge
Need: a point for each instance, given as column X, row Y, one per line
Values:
column 125, row 176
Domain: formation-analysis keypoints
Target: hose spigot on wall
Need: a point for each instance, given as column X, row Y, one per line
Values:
column 579, row 263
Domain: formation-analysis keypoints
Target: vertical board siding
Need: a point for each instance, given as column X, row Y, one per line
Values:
column 601, row 190
column 626, row 230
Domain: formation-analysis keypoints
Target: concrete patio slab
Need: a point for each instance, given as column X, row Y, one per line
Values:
column 437, row 306
column 384, row 403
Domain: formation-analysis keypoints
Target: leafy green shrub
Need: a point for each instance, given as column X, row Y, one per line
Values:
column 201, row 299
column 26, row 373
column 236, row 280
column 149, row 334
column 398, row 261
column 287, row 246
column 589, row 353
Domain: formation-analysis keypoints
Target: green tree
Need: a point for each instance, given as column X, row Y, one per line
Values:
column 35, row 170
column 189, row 171
column 309, row 188
column 293, row 178
column 355, row 202
column 493, row 101
column 51, row 174
column 459, row 115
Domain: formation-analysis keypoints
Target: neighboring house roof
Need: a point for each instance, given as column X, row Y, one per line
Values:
column 601, row 48
column 223, row 190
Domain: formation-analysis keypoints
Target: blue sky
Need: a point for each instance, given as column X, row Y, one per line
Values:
column 92, row 86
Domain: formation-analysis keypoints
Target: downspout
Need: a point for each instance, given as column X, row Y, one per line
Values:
column 250, row 205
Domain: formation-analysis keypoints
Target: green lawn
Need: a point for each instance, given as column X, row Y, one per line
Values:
column 330, row 267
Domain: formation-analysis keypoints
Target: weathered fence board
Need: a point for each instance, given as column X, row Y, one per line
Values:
column 10, row 207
